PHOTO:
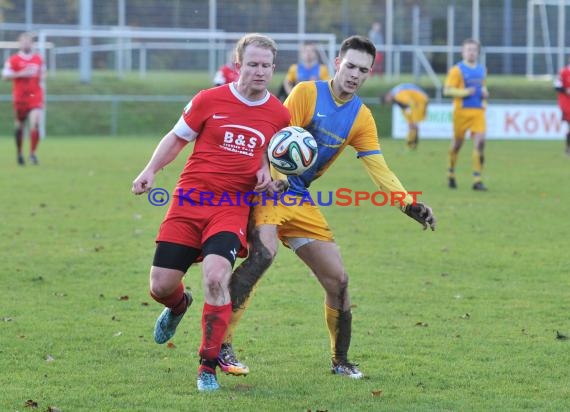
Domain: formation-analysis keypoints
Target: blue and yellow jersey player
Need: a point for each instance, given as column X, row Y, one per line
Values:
column 466, row 84
column 337, row 118
column 414, row 102
column 308, row 68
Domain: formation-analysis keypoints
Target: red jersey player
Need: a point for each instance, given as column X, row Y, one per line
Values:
column 26, row 69
column 562, row 85
column 227, row 73
column 207, row 220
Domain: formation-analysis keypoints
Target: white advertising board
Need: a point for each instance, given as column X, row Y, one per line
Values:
column 504, row 121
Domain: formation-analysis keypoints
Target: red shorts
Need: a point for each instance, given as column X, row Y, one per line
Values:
column 192, row 225
column 23, row 108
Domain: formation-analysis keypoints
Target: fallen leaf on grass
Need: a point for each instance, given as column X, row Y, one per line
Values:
column 124, row 297
column 560, row 336
column 7, row 319
column 144, row 303
column 243, row 387
column 171, row 345
column 53, row 409
column 115, row 318
column 377, row 392
column 119, row 333
column 31, row 404
column 422, row 324
column 98, row 248
column 466, row 316
column 37, row 279
column 49, row 358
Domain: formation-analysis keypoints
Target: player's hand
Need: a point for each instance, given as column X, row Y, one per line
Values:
column 277, row 187
column 471, row 91
column 143, row 183
column 421, row 213
column 263, row 179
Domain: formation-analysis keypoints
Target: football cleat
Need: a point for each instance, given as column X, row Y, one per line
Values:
column 479, row 186
column 228, row 362
column 345, row 368
column 21, row 161
column 167, row 322
column 207, row 381
column 34, row 159
column 452, row 184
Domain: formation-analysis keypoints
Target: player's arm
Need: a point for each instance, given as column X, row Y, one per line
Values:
column 7, row 72
column 368, row 149
column 165, row 152
column 263, row 175
column 387, row 181
column 484, row 90
column 454, row 86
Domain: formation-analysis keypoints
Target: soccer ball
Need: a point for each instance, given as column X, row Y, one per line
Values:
column 292, row 150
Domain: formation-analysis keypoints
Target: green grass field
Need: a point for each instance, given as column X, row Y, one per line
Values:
column 461, row 319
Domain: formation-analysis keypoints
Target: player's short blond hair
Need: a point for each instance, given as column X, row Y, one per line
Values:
column 255, row 39
column 26, row 35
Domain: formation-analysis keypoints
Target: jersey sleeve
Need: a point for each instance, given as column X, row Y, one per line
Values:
column 324, row 72
column 291, row 75
column 367, row 146
column 453, row 78
column 8, row 69
column 190, row 123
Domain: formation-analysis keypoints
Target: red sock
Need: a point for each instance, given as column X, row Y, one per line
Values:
column 215, row 320
column 176, row 301
column 34, row 140
column 18, row 134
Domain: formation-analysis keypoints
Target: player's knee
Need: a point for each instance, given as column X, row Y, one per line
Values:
column 158, row 289
column 160, row 285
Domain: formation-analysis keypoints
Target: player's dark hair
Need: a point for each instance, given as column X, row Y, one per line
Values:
column 360, row 43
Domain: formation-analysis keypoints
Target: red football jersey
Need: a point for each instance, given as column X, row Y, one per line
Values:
column 231, row 134
column 564, row 98
column 26, row 89
column 225, row 74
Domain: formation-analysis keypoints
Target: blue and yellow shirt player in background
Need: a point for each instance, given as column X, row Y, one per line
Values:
column 413, row 101
column 308, row 68
column 466, row 84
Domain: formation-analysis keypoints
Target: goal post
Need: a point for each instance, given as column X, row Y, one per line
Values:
column 210, row 40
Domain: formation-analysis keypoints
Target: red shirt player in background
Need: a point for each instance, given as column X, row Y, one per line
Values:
column 562, row 85
column 227, row 73
column 26, row 69
column 231, row 126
